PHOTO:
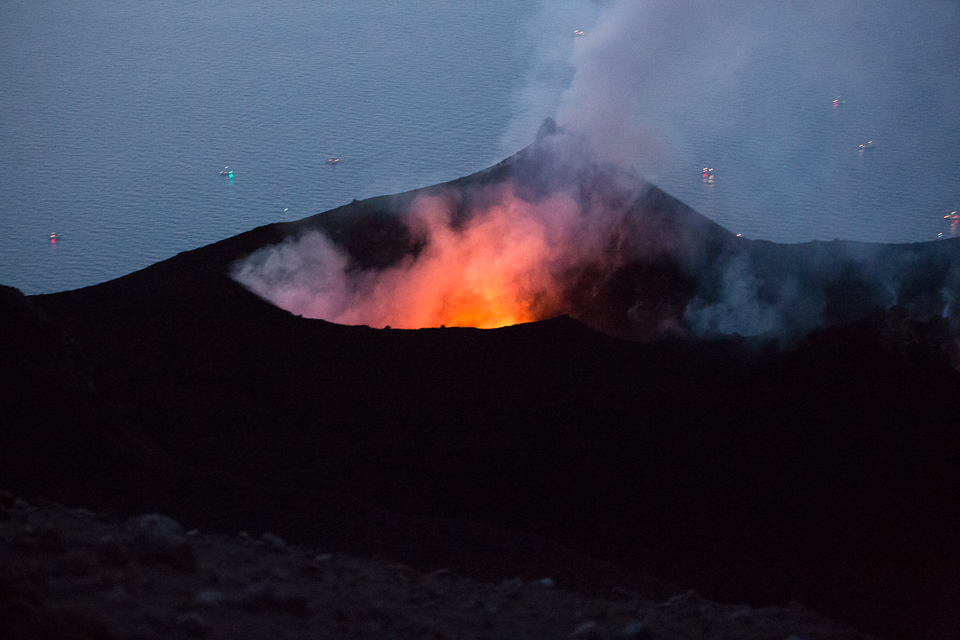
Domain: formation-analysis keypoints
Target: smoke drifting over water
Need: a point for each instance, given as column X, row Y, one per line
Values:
column 748, row 89
column 612, row 64
column 633, row 53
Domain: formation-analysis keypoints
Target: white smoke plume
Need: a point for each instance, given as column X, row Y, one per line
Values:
column 631, row 53
column 611, row 63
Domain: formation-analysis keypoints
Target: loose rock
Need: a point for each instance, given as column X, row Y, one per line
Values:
column 193, row 623
column 588, row 630
column 511, row 586
column 209, row 598
column 636, row 631
column 273, row 541
column 159, row 538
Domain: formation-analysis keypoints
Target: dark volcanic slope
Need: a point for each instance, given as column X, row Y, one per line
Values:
column 632, row 261
column 826, row 472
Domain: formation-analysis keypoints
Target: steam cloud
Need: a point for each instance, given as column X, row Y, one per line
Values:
column 671, row 87
column 611, row 66
column 633, row 53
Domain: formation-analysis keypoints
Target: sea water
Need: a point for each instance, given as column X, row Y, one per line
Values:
column 116, row 119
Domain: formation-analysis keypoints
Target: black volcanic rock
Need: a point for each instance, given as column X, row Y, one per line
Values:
column 825, row 468
column 33, row 346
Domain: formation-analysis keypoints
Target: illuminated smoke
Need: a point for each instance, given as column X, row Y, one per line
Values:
column 548, row 237
column 506, row 263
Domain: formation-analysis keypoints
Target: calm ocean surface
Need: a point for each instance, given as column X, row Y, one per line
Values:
column 116, row 118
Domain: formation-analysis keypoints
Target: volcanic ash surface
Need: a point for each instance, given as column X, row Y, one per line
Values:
column 78, row 574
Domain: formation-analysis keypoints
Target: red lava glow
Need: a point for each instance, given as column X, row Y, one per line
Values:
column 503, row 266
column 492, row 273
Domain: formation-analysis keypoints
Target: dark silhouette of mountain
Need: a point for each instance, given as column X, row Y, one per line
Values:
column 818, row 461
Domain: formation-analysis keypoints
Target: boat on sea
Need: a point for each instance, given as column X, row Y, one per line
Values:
column 333, row 160
column 227, row 171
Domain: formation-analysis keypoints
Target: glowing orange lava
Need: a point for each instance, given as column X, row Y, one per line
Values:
column 493, row 272
column 503, row 265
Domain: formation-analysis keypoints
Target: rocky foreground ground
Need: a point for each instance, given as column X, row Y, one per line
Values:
column 73, row 573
